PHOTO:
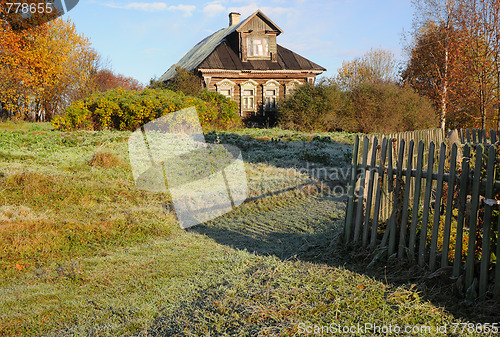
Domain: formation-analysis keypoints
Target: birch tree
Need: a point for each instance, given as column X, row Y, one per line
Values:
column 436, row 19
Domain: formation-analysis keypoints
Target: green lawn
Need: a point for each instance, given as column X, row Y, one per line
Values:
column 84, row 253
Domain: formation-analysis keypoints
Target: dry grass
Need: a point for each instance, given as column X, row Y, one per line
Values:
column 105, row 160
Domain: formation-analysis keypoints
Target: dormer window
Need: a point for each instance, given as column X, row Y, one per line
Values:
column 258, row 46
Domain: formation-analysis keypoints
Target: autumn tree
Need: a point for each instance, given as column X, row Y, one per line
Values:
column 105, row 79
column 495, row 26
column 430, row 66
column 475, row 20
column 377, row 65
column 454, row 59
column 42, row 68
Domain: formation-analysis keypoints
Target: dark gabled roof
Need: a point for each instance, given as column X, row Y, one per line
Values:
column 224, row 57
column 199, row 52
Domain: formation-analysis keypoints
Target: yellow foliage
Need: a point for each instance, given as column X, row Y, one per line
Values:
column 42, row 69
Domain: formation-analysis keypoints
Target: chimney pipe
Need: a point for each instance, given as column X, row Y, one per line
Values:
column 234, row 18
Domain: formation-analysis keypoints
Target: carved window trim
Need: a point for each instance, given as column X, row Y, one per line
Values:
column 248, row 99
column 270, row 100
column 225, row 85
column 290, row 87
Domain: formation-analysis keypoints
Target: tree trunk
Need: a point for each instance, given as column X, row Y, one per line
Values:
column 444, row 95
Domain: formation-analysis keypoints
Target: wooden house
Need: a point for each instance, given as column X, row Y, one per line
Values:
column 245, row 63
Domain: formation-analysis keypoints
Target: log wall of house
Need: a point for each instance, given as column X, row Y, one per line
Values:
column 261, row 79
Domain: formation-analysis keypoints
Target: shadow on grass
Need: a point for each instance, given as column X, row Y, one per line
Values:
column 310, row 229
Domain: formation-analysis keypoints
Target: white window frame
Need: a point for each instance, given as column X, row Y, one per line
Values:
column 268, row 86
column 248, row 85
column 250, row 46
column 226, row 84
column 290, row 87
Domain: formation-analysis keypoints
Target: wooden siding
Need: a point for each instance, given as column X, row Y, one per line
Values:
column 256, row 24
column 283, row 81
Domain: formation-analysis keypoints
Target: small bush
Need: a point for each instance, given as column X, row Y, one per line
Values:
column 311, row 108
column 122, row 109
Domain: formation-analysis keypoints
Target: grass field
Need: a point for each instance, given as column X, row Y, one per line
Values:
column 84, row 253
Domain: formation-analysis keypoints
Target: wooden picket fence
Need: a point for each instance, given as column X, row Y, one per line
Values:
column 439, row 212
column 426, row 136
column 476, row 136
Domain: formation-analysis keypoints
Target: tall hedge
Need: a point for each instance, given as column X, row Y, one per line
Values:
column 122, row 109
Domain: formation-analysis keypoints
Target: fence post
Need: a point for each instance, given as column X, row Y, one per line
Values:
column 361, row 197
column 406, row 200
column 462, row 200
column 370, row 192
column 427, row 201
column 488, row 209
column 416, row 200
column 449, row 206
column 396, row 208
column 378, row 193
column 352, row 187
column 469, row 264
column 437, row 207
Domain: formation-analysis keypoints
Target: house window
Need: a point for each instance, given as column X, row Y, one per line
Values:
column 225, row 92
column 225, row 88
column 258, row 47
column 290, row 87
column 248, row 95
column 270, row 99
column 248, row 99
column 270, row 92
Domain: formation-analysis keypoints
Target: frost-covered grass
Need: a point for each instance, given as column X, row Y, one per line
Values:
column 291, row 135
column 84, row 253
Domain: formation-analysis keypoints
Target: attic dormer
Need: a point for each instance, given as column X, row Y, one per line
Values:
column 257, row 37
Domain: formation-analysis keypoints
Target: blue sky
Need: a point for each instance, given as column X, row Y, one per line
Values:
column 143, row 39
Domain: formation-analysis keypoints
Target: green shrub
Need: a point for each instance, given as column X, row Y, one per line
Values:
column 387, row 107
column 122, row 109
column 311, row 107
column 367, row 108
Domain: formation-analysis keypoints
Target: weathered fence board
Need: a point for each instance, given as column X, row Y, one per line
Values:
column 488, row 210
column 406, row 200
column 462, row 199
column 449, row 205
column 424, row 203
column 427, row 204
column 477, row 136
column 469, row 263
